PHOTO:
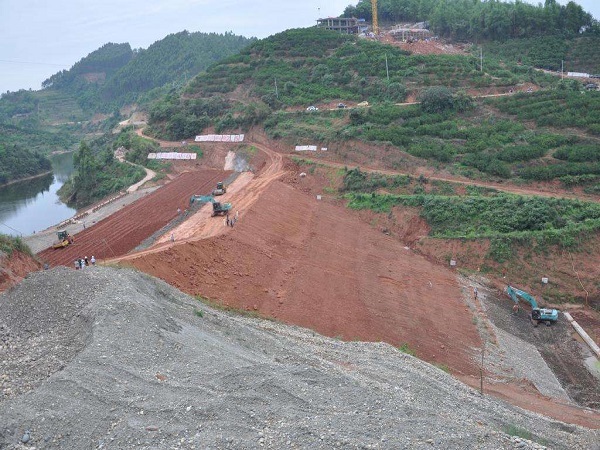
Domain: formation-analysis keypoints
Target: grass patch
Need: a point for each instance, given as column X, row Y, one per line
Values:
column 442, row 367
column 404, row 348
column 10, row 244
column 514, row 430
column 199, row 312
column 230, row 309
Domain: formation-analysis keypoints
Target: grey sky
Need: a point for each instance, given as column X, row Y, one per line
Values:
column 41, row 37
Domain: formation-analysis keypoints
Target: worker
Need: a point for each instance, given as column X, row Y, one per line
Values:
column 76, row 264
column 475, row 292
column 86, row 261
column 172, row 237
column 93, row 260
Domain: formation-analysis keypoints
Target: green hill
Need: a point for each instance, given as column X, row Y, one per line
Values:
column 59, row 115
column 115, row 74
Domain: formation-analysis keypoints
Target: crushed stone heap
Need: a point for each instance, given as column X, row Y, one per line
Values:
column 112, row 358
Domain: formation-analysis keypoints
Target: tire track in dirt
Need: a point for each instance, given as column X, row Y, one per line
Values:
column 242, row 193
column 124, row 230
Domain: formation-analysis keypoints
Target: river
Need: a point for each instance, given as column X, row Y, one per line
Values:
column 33, row 205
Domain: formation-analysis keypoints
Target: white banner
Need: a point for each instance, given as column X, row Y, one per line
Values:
column 578, row 74
column 304, row 148
column 172, row 155
column 220, row 138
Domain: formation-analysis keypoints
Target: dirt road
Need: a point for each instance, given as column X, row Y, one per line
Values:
column 539, row 192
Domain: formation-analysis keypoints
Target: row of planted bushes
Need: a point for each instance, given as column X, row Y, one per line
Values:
column 500, row 215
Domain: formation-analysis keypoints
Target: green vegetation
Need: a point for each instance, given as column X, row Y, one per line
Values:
column 58, row 116
column 357, row 181
column 115, row 74
column 558, row 109
column 199, row 313
column 477, row 20
column 442, row 367
column 137, row 147
column 216, row 304
column 498, row 216
column 476, row 144
column 404, row 348
column 10, row 244
column 97, row 175
column 17, row 162
column 513, row 430
column 581, row 54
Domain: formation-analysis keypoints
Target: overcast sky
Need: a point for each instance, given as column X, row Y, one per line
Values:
column 41, row 37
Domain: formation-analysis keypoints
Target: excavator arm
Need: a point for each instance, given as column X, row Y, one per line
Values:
column 537, row 313
column 514, row 293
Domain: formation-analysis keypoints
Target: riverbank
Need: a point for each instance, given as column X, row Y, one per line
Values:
column 45, row 238
column 32, row 177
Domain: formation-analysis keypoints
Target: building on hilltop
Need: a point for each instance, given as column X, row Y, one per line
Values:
column 345, row 25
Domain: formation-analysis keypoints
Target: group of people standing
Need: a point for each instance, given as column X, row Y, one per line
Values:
column 80, row 263
column 229, row 222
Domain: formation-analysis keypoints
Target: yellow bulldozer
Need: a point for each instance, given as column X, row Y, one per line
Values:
column 64, row 239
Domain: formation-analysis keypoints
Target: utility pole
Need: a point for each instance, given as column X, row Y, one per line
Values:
column 276, row 91
column 481, row 367
column 481, row 59
column 562, row 69
column 387, row 70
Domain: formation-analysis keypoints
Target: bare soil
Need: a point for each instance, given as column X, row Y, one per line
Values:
column 316, row 264
column 124, row 230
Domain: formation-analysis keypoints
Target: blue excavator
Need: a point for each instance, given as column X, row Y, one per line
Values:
column 538, row 315
column 219, row 208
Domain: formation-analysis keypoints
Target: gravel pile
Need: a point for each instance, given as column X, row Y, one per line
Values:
column 111, row 358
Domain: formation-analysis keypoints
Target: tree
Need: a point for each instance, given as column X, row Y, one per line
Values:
column 86, row 168
column 436, row 99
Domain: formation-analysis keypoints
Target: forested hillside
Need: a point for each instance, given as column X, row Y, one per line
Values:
column 479, row 20
column 58, row 116
column 17, row 162
column 115, row 74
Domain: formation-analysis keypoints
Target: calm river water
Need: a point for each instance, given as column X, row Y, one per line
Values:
column 33, row 205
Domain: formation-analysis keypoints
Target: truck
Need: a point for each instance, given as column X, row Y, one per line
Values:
column 538, row 315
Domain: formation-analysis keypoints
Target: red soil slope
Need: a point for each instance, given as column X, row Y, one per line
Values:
column 123, row 231
column 306, row 263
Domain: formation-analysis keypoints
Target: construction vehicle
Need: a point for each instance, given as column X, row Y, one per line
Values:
column 218, row 207
column 220, row 190
column 64, row 239
column 543, row 315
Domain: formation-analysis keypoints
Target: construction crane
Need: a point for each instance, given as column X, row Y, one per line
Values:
column 375, row 19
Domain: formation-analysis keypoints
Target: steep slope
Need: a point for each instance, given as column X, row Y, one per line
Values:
column 15, row 267
column 111, row 358
column 308, row 263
